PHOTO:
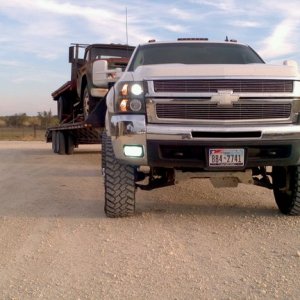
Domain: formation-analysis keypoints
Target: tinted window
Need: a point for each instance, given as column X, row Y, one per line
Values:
column 194, row 53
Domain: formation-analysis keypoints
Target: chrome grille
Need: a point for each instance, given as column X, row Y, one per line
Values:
column 213, row 85
column 239, row 111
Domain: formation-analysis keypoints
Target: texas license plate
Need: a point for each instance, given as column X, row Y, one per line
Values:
column 219, row 157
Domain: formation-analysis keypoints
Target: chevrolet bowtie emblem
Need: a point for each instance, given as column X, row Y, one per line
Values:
column 225, row 98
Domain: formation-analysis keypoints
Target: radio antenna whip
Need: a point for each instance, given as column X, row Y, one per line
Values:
column 126, row 28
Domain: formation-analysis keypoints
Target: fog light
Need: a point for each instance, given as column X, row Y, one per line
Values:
column 133, row 151
column 135, row 105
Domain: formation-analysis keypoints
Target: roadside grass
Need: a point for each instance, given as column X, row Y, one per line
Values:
column 21, row 134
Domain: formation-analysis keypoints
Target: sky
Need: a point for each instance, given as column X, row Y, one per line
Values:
column 35, row 36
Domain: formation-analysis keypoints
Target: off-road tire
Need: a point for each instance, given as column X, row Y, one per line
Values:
column 119, row 185
column 286, row 188
column 103, row 141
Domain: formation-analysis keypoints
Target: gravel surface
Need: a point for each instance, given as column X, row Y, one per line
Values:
column 189, row 241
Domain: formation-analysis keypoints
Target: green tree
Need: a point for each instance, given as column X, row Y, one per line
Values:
column 17, row 120
column 47, row 119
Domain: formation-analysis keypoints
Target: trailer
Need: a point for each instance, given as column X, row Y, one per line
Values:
column 81, row 101
column 67, row 136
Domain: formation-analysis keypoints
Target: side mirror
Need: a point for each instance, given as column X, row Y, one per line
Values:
column 100, row 73
column 71, row 54
column 103, row 76
column 118, row 72
column 293, row 64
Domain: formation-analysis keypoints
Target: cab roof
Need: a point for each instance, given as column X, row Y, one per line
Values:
column 194, row 40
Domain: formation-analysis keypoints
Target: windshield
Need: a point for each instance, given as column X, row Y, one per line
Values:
column 194, row 53
column 104, row 53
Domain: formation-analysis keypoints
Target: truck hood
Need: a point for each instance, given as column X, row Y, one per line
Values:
column 246, row 70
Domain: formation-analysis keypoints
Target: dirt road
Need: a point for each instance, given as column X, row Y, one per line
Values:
column 186, row 242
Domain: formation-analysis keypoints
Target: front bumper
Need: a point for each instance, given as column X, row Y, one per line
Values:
column 98, row 92
column 183, row 146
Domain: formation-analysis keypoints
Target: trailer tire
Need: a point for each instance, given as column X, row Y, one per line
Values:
column 54, row 142
column 61, row 143
column 70, row 145
column 119, row 184
column 286, row 188
column 64, row 108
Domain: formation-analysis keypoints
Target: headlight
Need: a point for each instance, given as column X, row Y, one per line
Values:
column 130, row 97
column 137, row 89
column 297, row 88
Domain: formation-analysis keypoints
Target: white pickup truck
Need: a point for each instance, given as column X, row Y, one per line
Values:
column 202, row 109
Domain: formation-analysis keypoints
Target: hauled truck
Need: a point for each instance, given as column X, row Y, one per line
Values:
column 193, row 108
column 81, row 105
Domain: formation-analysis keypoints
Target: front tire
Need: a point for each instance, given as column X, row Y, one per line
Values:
column 103, row 142
column 286, row 188
column 88, row 103
column 119, row 184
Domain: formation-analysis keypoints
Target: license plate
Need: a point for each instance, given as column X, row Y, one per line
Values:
column 226, row 157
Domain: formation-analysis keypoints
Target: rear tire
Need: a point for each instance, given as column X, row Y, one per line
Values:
column 119, row 183
column 64, row 108
column 54, row 142
column 70, row 145
column 286, row 188
column 61, row 143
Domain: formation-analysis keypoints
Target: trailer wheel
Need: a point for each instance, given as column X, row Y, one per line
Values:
column 286, row 188
column 54, row 142
column 119, row 185
column 61, row 143
column 70, row 145
column 64, row 108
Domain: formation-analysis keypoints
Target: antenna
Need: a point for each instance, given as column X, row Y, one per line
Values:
column 126, row 28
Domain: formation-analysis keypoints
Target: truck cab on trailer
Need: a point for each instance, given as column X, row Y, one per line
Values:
column 94, row 69
column 81, row 105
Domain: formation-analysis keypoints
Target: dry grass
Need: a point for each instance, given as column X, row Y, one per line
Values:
column 21, row 134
